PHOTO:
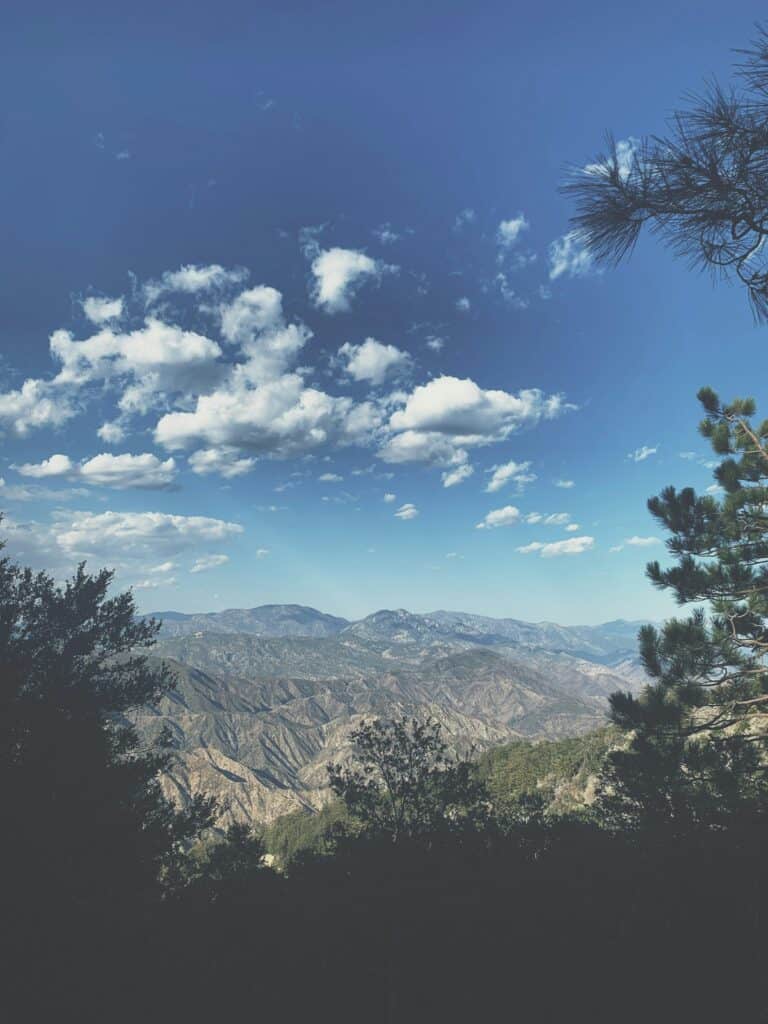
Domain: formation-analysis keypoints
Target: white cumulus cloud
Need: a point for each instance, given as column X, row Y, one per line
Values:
column 107, row 470
column 111, row 433
column 225, row 461
column 279, row 417
column 507, row 516
column 106, row 534
column 373, row 361
column 338, row 273
column 509, row 231
column 55, row 465
column 102, row 310
column 123, row 471
column 251, row 312
column 149, row 362
column 572, row 546
column 193, row 278
column 461, row 408
column 36, row 404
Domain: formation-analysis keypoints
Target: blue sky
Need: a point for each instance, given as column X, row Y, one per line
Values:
column 251, row 249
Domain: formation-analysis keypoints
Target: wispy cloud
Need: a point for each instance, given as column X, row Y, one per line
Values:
column 569, row 257
column 642, row 453
column 407, row 511
column 517, row 473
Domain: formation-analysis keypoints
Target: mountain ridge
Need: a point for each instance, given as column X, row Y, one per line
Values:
column 267, row 696
column 294, row 616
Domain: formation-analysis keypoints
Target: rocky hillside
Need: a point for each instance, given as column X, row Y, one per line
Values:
column 267, row 696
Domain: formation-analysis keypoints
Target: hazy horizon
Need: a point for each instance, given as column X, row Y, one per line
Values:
column 158, row 612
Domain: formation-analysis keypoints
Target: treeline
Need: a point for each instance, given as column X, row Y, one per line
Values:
column 559, row 775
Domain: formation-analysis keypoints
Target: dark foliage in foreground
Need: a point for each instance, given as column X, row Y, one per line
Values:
column 548, row 923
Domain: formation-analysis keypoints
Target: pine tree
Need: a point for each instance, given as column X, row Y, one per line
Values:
column 703, row 187
column 699, row 728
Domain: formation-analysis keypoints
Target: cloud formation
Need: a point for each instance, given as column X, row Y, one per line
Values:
column 641, row 454
column 572, row 546
column 569, row 256
column 373, row 361
column 209, row 562
column 623, row 161
column 339, row 273
column 192, row 278
column 34, row 405
column 227, row 387
column 509, row 231
column 125, row 471
column 226, row 461
column 407, row 511
column 133, row 543
column 146, row 534
column 507, row 516
column 542, row 519
column 510, row 472
column 451, row 477
column 441, row 419
column 102, row 310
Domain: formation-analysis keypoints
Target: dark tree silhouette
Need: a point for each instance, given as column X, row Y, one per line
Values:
column 403, row 783
column 83, row 809
column 703, row 187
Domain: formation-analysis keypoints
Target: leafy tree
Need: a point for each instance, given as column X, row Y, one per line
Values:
column 302, row 833
column 83, row 810
column 703, row 187
column 227, row 868
column 700, row 726
column 559, row 773
column 402, row 782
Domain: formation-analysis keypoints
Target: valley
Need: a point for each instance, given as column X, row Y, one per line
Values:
column 266, row 697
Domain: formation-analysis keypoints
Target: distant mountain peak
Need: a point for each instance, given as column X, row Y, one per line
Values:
column 398, row 625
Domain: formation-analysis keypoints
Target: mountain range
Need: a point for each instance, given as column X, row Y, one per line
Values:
column 267, row 696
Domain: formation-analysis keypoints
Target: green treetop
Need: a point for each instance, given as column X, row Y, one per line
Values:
column 699, row 725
